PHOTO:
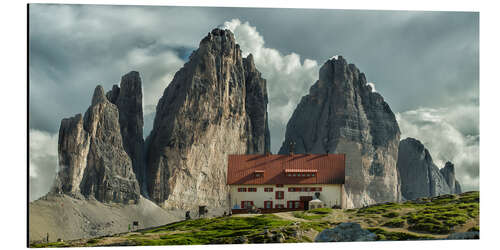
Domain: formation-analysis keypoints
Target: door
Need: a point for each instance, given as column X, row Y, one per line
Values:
column 305, row 200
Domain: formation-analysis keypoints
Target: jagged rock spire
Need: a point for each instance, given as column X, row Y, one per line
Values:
column 216, row 105
column 92, row 158
column 341, row 114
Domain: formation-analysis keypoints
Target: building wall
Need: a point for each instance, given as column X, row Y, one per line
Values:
column 331, row 194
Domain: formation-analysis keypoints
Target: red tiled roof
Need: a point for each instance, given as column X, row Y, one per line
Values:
column 329, row 168
column 301, row 170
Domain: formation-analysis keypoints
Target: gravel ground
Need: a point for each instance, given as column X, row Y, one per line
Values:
column 67, row 218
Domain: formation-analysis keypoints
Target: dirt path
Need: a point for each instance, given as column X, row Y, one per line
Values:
column 289, row 216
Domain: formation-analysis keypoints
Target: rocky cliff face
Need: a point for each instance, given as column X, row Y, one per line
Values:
column 216, row 105
column 341, row 114
column 448, row 172
column 420, row 177
column 92, row 158
column 128, row 100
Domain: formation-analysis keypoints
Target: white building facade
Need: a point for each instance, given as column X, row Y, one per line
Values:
column 286, row 182
column 293, row 196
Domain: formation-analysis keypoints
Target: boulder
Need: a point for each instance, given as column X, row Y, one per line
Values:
column 472, row 235
column 346, row 231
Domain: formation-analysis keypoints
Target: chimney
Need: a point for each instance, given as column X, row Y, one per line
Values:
column 292, row 144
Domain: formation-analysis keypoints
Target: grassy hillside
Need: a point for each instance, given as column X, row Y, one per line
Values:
column 432, row 218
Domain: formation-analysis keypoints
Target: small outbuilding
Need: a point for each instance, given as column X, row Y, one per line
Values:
column 316, row 203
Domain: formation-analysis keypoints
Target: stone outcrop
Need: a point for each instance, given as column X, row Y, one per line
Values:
column 341, row 114
column 128, row 100
column 471, row 235
column 420, row 177
column 216, row 105
column 345, row 232
column 92, row 158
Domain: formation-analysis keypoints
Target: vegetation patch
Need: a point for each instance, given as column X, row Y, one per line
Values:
column 308, row 216
column 322, row 210
column 50, row 244
column 397, row 222
column 429, row 218
column 386, row 235
column 442, row 214
column 318, row 226
column 391, row 214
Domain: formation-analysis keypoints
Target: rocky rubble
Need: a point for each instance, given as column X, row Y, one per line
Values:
column 341, row 114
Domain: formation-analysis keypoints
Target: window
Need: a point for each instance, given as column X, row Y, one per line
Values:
column 293, row 204
column 308, row 174
column 252, row 189
column 280, row 195
column 258, row 174
column 308, row 189
column 242, row 189
column 312, row 174
column 291, row 189
column 279, row 185
column 268, row 204
column 268, row 189
column 246, row 204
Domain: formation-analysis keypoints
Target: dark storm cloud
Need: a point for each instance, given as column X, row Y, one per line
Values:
column 415, row 59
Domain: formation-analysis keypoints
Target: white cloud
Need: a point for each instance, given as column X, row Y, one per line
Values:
column 444, row 132
column 42, row 162
column 157, row 70
column 372, row 85
column 288, row 79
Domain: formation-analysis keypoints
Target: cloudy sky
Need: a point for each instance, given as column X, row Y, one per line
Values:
column 425, row 64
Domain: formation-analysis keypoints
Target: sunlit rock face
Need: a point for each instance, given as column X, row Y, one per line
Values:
column 216, row 105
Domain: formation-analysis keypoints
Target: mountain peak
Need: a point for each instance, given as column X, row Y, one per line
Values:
column 99, row 95
column 216, row 105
